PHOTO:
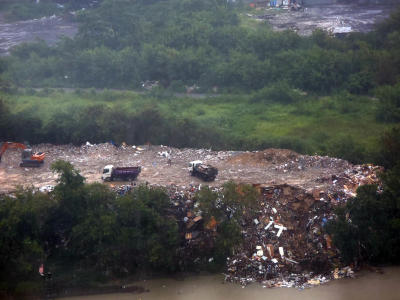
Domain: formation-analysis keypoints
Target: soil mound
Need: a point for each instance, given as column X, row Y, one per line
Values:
column 268, row 156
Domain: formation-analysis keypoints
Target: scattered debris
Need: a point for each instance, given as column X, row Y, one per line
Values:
column 335, row 18
column 288, row 246
column 284, row 243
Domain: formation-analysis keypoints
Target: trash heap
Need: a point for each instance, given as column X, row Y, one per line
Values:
column 285, row 244
column 344, row 185
column 197, row 236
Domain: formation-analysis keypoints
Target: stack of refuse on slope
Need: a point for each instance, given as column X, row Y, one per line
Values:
column 344, row 185
column 197, row 237
column 285, row 245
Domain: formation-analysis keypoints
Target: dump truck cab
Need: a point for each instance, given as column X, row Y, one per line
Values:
column 107, row 173
column 194, row 164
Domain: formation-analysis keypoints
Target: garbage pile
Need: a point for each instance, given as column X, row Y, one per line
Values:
column 342, row 186
column 197, row 236
column 284, row 245
column 165, row 165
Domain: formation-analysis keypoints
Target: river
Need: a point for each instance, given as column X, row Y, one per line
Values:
column 367, row 286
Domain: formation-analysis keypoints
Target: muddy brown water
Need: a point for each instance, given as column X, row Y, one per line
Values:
column 367, row 286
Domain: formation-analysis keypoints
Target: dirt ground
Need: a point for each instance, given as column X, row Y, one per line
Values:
column 335, row 18
column 268, row 167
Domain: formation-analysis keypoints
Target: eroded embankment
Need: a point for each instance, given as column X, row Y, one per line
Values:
column 284, row 242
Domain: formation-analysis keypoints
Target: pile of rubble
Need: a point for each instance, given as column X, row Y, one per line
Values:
column 285, row 244
column 334, row 18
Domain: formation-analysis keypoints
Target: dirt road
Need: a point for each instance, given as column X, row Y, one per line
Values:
column 268, row 167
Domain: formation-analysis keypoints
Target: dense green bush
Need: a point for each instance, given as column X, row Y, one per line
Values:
column 389, row 103
column 367, row 227
column 280, row 92
column 345, row 147
column 98, row 124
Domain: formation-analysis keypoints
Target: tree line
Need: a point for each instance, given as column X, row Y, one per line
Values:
column 122, row 43
column 98, row 124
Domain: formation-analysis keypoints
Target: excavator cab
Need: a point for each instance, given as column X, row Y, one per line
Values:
column 30, row 159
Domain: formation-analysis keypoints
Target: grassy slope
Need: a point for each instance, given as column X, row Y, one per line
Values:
column 316, row 123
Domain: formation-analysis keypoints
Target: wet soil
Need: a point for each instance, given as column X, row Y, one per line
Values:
column 337, row 18
column 49, row 29
column 269, row 167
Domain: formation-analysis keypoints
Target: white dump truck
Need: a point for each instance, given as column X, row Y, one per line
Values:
column 111, row 173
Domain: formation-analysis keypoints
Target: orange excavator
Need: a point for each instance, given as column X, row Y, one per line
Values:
column 29, row 159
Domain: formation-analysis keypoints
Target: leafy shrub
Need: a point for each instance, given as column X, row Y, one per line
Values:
column 345, row 147
column 360, row 83
column 389, row 103
column 278, row 92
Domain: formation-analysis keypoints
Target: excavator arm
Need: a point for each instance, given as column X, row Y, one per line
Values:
column 10, row 145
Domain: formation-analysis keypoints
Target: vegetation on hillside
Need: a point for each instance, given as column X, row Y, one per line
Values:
column 122, row 43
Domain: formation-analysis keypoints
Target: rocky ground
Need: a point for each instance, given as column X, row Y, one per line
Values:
column 335, row 18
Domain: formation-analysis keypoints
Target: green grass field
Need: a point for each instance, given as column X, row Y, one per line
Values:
column 324, row 125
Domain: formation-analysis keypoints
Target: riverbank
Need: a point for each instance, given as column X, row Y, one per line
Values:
column 367, row 286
